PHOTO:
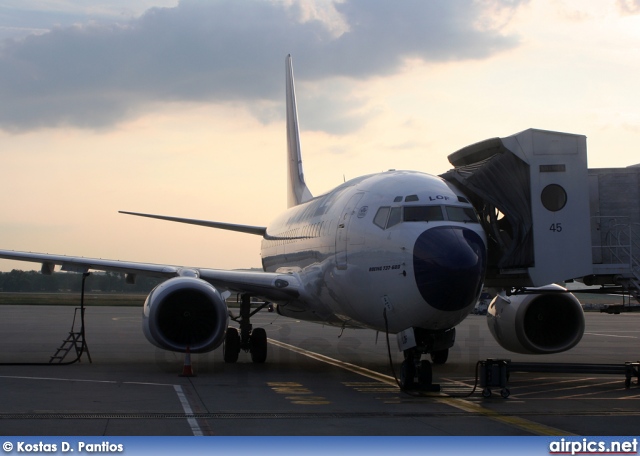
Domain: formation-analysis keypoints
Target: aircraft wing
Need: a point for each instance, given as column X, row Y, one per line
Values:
column 270, row 286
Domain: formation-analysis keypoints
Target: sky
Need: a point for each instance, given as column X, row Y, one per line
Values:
column 177, row 107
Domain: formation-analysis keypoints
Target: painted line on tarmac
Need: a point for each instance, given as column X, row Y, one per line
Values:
column 334, row 362
column 57, row 379
column 581, row 384
column 184, row 402
column 514, row 421
column 461, row 404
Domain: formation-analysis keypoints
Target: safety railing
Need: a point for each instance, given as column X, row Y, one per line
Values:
column 620, row 243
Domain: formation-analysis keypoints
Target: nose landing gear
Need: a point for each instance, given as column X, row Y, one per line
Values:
column 416, row 373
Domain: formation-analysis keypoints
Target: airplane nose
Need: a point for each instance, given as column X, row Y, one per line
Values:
column 449, row 264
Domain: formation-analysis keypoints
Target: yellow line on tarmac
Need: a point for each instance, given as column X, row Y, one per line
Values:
column 334, row 362
column 515, row 421
column 461, row 404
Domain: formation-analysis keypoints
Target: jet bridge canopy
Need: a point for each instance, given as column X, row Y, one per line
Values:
column 497, row 182
column 531, row 192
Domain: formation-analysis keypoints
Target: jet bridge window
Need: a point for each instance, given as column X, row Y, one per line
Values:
column 553, row 197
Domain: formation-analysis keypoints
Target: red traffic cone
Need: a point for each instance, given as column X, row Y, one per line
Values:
column 187, row 371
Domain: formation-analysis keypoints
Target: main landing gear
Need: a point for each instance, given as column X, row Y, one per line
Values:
column 248, row 339
column 416, row 373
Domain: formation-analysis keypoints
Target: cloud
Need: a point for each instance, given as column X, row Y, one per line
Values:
column 96, row 74
column 629, row 6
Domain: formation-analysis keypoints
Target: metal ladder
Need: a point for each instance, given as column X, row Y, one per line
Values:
column 75, row 341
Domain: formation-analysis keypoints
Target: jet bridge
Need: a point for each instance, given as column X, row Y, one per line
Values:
column 614, row 195
column 549, row 218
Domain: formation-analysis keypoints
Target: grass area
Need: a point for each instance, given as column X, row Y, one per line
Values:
column 137, row 300
column 73, row 299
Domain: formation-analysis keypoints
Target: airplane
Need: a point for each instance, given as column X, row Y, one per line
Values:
column 401, row 252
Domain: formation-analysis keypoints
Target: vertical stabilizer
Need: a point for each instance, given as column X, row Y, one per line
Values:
column 297, row 191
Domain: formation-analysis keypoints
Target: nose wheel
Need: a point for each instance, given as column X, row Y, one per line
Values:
column 416, row 374
column 440, row 356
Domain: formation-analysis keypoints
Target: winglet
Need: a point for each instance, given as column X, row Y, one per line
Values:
column 297, row 190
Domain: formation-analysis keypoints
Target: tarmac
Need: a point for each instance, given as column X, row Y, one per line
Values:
column 317, row 381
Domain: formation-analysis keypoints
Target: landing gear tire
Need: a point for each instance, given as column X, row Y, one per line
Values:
column 407, row 374
column 440, row 357
column 258, row 345
column 231, row 347
column 425, row 375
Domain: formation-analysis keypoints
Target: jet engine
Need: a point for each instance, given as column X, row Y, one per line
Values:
column 537, row 323
column 185, row 312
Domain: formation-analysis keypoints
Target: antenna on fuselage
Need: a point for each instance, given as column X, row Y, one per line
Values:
column 297, row 190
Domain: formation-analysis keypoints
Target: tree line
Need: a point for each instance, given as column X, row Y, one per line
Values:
column 106, row 282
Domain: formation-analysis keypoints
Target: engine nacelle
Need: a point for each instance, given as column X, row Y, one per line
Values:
column 185, row 311
column 539, row 323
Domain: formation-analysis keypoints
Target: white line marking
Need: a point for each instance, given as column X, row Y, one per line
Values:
column 611, row 335
column 86, row 381
column 58, row 379
column 195, row 427
column 184, row 402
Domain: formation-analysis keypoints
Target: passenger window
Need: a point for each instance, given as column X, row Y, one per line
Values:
column 395, row 217
column 381, row 217
column 423, row 214
column 461, row 214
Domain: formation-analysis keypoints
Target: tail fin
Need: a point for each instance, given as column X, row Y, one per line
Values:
column 297, row 191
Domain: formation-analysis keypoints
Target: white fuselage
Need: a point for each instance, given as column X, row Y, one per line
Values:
column 403, row 241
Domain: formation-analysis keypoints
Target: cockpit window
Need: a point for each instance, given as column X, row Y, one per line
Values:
column 395, row 217
column 461, row 214
column 423, row 214
column 381, row 217
column 386, row 217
